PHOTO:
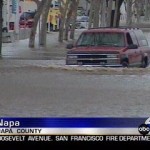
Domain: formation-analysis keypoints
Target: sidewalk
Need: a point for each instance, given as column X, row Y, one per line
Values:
column 53, row 51
column 20, row 50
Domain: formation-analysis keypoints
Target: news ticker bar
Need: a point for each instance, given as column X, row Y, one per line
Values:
column 73, row 122
column 76, row 138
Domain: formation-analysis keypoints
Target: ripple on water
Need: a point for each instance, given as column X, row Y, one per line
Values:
column 60, row 65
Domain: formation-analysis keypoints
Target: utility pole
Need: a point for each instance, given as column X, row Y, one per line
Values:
column 1, row 24
column 17, row 20
column 15, row 10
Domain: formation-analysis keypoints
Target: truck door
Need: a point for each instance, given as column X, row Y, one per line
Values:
column 134, row 55
column 143, row 43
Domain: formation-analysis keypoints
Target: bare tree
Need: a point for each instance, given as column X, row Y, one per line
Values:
column 91, row 14
column 76, row 3
column 138, row 6
column 147, row 10
column 74, row 19
column 129, row 12
column 109, row 11
column 118, row 4
column 63, row 11
column 96, row 16
column 34, row 28
column 116, row 13
column 69, row 15
column 103, row 13
column 42, row 35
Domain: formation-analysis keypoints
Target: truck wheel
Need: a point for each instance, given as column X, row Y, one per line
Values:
column 145, row 62
column 125, row 63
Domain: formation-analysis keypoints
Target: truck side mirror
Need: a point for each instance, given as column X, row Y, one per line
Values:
column 69, row 46
column 132, row 46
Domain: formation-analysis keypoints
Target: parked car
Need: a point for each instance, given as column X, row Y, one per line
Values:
column 82, row 22
column 114, row 47
column 26, row 19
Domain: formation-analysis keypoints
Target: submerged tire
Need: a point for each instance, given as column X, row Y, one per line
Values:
column 145, row 62
column 125, row 64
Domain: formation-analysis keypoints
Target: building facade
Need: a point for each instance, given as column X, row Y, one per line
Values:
column 12, row 10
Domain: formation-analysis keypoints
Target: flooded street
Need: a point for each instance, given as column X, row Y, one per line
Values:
column 46, row 92
column 46, row 87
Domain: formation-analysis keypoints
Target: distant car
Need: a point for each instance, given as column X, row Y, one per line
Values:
column 83, row 18
column 82, row 22
column 26, row 19
column 113, row 47
column 81, row 25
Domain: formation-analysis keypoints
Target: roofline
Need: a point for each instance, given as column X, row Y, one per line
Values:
column 121, row 27
column 109, row 29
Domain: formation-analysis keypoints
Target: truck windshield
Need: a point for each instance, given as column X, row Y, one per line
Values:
column 102, row 39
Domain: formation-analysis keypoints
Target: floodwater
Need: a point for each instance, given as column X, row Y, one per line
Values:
column 58, row 91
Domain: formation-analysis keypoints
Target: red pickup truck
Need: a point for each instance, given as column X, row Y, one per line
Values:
column 112, row 47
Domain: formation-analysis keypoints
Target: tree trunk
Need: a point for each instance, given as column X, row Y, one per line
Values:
column 109, row 13
column 129, row 13
column 67, row 23
column 63, row 10
column 34, row 28
column 147, row 10
column 103, row 13
column 43, row 30
column 138, row 8
column 116, row 13
column 116, row 16
column 1, row 25
column 91, row 14
column 74, row 19
column 96, row 13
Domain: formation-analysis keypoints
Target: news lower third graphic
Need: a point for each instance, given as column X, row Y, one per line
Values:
column 74, row 129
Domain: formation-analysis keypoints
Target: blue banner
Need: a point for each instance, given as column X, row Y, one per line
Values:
column 72, row 122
